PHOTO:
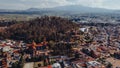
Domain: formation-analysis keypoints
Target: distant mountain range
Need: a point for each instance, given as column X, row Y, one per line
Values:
column 60, row 9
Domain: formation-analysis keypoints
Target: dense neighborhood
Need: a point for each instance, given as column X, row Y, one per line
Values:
column 90, row 45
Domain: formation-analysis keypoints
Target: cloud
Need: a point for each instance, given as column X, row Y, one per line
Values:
column 39, row 3
column 13, row 6
column 25, row 4
column 52, row 3
column 91, row 3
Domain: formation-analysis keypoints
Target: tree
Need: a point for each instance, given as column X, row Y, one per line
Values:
column 36, row 29
column 109, row 65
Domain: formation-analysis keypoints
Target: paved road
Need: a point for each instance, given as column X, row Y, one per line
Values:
column 29, row 65
column 115, row 62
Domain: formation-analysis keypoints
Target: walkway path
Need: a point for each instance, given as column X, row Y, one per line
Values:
column 29, row 65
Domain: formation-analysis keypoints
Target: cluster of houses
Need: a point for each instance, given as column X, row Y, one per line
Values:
column 105, row 44
column 12, row 51
column 9, row 52
column 89, row 47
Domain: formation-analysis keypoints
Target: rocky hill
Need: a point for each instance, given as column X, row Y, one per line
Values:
column 38, row 28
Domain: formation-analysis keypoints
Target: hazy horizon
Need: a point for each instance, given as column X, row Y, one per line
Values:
column 26, row 4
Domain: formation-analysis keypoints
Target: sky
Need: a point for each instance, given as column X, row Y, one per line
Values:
column 26, row 4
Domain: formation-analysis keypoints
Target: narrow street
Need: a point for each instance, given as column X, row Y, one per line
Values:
column 107, row 37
